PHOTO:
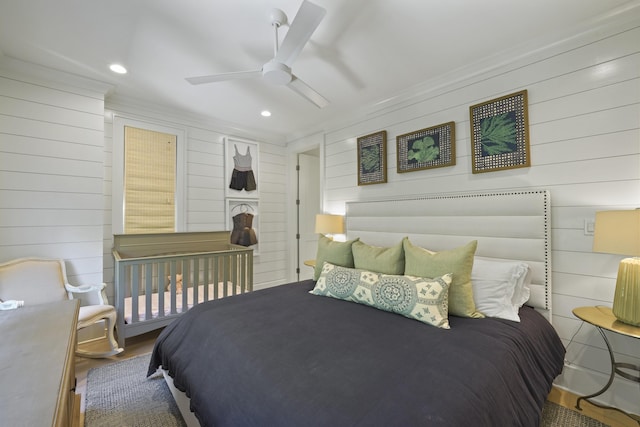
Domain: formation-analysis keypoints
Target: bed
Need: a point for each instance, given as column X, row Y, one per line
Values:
column 290, row 356
column 158, row 277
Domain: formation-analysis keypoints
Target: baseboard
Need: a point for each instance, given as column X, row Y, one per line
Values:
column 78, row 417
column 265, row 285
column 578, row 381
column 607, row 416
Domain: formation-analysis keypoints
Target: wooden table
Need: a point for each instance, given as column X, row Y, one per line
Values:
column 604, row 320
column 37, row 365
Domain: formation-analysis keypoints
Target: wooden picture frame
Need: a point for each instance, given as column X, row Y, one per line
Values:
column 500, row 134
column 432, row 147
column 372, row 158
column 248, row 151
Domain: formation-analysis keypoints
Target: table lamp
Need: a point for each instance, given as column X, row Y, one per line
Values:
column 328, row 224
column 618, row 232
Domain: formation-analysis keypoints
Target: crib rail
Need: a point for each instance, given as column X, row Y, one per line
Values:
column 147, row 282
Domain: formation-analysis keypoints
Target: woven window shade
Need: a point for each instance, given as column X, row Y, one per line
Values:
column 149, row 181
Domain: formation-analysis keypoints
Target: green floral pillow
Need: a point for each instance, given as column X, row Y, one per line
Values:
column 417, row 298
column 458, row 262
column 338, row 253
column 381, row 259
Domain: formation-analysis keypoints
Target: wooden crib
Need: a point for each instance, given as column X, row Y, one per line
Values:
column 149, row 269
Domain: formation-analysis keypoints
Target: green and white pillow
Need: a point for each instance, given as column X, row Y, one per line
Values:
column 422, row 299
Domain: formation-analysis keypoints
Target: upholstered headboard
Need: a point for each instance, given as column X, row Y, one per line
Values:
column 511, row 225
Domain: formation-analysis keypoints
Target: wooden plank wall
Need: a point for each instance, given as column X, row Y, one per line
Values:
column 55, row 175
column 51, row 153
column 584, row 113
column 206, row 183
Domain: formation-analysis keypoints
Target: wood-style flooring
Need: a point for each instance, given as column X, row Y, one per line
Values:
column 143, row 344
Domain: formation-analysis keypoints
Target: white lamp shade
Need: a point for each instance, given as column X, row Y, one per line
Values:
column 329, row 224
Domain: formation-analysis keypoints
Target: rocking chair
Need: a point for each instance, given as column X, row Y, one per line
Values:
column 40, row 280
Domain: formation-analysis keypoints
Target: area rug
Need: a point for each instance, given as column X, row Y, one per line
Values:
column 120, row 394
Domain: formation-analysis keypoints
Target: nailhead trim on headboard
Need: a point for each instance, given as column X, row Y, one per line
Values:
column 510, row 224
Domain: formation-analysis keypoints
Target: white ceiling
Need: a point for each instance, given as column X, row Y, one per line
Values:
column 363, row 52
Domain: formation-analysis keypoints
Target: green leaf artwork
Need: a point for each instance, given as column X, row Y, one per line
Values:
column 498, row 134
column 370, row 159
column 423, row 150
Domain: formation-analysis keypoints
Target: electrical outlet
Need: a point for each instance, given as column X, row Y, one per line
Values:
column 589, row 227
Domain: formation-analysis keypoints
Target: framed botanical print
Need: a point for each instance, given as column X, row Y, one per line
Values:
column 500, row 133
column 428, row 148
column 372, row 158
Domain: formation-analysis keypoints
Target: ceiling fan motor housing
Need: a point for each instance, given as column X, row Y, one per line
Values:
column 276, row 73
column 278, row 17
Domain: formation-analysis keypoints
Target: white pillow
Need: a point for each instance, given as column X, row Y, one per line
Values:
column 523, row 291
column 500, row 287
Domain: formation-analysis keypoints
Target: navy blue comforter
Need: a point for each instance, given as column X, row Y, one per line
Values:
column 284, row 357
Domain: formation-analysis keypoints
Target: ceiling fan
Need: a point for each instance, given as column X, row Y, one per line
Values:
column 278, row 70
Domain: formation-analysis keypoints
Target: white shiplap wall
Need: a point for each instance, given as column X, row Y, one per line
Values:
column 51, row 138
column 584, row 114
column 55, row 174
column 205, row 187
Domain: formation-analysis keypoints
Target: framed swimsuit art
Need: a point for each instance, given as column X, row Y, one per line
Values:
column 241, row 168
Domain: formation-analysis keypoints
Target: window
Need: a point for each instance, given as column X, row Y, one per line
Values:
column 147, row 178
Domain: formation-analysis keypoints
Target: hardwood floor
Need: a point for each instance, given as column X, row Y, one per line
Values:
column 143, row 344
column 606, row 416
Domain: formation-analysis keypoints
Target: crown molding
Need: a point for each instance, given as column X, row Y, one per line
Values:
column 40, row 75
column 165, row 113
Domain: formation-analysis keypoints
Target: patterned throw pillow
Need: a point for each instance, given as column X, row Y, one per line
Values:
column 414, row 297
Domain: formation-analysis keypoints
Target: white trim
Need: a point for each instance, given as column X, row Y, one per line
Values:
column 39, row 74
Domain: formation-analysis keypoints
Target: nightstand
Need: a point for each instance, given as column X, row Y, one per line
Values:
column 603, row 319
column 310, row 263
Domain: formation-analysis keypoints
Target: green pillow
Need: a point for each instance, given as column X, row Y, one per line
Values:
column 417, row 298
column 459, row 262
column 379, row 259
column 338, row 253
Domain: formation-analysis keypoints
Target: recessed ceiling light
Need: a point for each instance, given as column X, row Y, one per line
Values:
column 117, row 68
column 266, row 113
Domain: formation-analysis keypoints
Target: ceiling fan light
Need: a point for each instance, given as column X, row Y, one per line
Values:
column 265, row 113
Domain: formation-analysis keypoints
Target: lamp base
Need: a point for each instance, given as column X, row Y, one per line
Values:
column 626, row 301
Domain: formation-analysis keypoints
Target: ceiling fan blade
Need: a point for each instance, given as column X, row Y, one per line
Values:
column 303, row 25
column 301, row 88
column 224, row 76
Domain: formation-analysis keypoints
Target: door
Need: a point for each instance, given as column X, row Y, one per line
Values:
column 308, row 207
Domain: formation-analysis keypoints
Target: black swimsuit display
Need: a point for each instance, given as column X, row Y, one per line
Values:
column 243, row 234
